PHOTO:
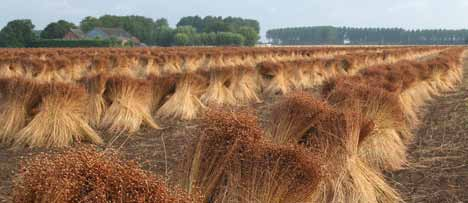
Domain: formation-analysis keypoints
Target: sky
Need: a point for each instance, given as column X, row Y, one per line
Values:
column 408, row 14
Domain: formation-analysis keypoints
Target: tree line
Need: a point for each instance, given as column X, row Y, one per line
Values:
column 380, row 36
column 190, row 30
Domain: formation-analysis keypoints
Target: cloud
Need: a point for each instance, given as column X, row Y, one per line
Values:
column 409, row 5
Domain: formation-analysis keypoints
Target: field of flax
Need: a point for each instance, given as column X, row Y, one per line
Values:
column 283, row 124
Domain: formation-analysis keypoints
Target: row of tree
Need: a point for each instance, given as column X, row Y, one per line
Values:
column 209, row 39
column 235, row 30
column 348, row 35
column 191, row 30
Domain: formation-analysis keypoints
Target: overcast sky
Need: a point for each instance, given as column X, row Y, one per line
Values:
column 408, row 14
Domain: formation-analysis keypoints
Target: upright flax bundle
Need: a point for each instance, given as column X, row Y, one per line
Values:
column 19, row 96
column 60, row 119
column 131, row 103
column 333, row 136
column 232, row 162
column 185, row 103
column 385, row 147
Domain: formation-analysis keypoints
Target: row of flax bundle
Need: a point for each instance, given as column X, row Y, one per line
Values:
column 231, row 160
column 143, row 60
column 43, row 111
column 328, row 149
column 283, row 77
column 241, row 85
column 312, row 149
column 392, row 96
column 181, row 54
column 308, row 154
column 69, row 65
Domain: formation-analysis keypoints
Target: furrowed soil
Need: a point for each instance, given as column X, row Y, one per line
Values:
column 438, row 171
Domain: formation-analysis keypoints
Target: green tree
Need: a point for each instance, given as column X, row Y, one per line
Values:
column 194, row 21
column 17, row 33
column 214, row 24
column 337, row 35
column 162, row 22
column 145, row 29
column 200, row 31
column 57, row 30
column 187, row 29
column 206, row 39
column 250, row 35
column 181, row 39
column 89, row 23
column 229, row 39
column 164, row 36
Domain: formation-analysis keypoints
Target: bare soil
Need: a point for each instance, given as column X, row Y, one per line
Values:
column 438, row 170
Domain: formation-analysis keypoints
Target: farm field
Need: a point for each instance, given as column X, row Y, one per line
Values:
column 280, row 124
column 438, row 157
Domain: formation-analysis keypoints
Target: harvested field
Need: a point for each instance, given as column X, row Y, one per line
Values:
column 438, row 157
column 228, row 124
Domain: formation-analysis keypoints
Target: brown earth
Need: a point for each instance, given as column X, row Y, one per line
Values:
column 438, row 170
column 439, row 156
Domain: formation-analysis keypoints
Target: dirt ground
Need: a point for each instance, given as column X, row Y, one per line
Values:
column 438, row 170
column 439, row 156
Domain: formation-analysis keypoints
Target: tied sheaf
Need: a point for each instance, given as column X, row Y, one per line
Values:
column 332, row 147
column 55, row 97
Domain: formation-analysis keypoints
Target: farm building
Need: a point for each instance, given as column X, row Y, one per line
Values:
column 74, row 34
column 108, row 33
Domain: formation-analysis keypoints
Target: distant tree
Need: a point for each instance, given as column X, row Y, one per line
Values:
column 207, row 39
column 210, row 27
column 164, row 36
column 210, row 30
column 214, row 24
column 230, row 39
column 187, row 29
column 335, row 35
column 250, row 35
column 145, row 29
column 162, row 22
column 89, row 23
column 194, row 21
column 57, row 30
column 253, row 24
column 17, row 33
column 181, row 39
